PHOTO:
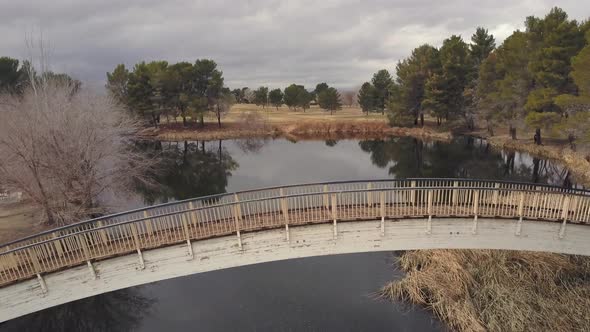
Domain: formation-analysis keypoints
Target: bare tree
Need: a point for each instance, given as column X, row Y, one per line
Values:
column 223, row 106
column 348, row 97
column 66, row 148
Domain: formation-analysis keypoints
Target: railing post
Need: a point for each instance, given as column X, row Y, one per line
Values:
column 413, row 197
column 520, row 208
column 475, row 211
column 34, row 259
column 237, row 218
column 11, row 258
column 455, row 192
column 285, row 210
column 382, row 208
column 335, row 214
column 102, row 233
column 564, row 216
column 82, row 243
column 148, row 223
column 369, row 194
column 57, row 244
column 496, row 194
column 326, row 198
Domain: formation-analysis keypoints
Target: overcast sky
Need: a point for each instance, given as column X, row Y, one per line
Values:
column 256, row 42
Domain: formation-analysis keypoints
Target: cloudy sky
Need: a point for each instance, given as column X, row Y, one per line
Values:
column 255, row 42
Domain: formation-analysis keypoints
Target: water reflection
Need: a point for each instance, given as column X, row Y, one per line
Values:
column 331, row 142
column 251, row 144
column 464, row 157
column 188, row 169
column 122, row 310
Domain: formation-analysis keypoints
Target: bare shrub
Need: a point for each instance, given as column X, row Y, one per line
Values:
column 348, row 98
column 65, row 148
column 252, row 120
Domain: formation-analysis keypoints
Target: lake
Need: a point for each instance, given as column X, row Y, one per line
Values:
column 330, row 293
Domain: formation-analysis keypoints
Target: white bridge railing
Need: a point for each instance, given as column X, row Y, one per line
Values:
column 288, row 206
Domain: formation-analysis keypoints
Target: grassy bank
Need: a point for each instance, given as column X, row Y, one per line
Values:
column 245, row 120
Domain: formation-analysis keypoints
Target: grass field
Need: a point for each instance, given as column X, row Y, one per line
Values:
column 284, row 114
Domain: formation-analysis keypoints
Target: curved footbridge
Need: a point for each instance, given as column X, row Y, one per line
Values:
column 228, row 230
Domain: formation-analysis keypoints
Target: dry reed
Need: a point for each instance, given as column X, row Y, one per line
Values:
column 490, row 290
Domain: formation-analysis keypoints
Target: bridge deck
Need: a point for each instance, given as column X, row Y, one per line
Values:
column 234, row 214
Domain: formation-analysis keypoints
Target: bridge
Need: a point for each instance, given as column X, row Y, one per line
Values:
column 248, row 227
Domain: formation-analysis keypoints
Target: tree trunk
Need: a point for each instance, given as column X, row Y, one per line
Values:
column 512, row 132
column 201, row 120
column 184, row 120
column 422, row 119
column 537, row 136
column 218, row 117
column 155, row 120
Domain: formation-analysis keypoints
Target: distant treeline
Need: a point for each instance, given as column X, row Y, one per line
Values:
column 190, row 90
column 539, row 77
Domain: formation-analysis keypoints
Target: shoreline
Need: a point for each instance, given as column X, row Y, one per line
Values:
column 303, row 130
column 337, row 129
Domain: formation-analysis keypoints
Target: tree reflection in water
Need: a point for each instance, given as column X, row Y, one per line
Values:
column 188, row 169
column 250, row 144
column 465, row 157
column 116, row 311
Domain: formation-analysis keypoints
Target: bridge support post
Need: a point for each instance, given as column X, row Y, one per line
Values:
column 237, row 217
column 285, row 210
column 42, row 284
column 335, row 214
column 141, row 261
column 191, row 254
column 92, row 270
column 564, row 215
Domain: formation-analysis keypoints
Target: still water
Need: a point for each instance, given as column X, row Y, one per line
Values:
column 332, row 293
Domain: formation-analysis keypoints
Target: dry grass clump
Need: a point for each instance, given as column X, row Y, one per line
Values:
column 490, row 290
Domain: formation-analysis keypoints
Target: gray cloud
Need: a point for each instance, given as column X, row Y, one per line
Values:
column 255, row 42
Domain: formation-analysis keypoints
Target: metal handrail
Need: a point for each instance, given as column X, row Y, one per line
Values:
column 308, row 184
column 428, row 196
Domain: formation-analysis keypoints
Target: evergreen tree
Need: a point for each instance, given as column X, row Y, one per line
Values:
column 555, row 40
column 367, row 97
column 117, row 83
column 382, row 82
column 407, row 93
column 482, row 44
column 444, row 91
column 329, row 99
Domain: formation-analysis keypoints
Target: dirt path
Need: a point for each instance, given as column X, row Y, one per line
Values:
column 18, row 220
